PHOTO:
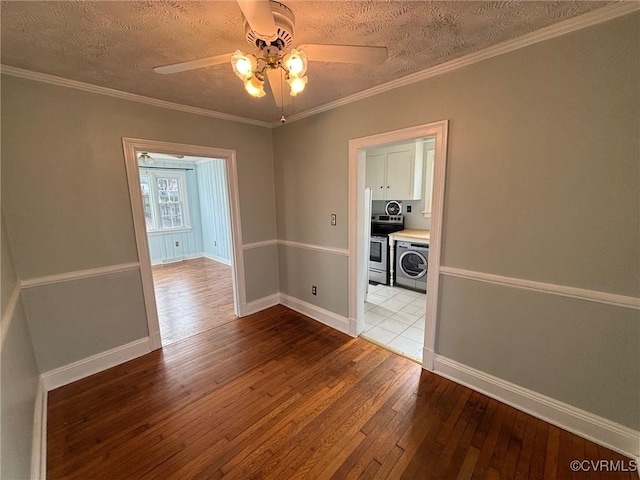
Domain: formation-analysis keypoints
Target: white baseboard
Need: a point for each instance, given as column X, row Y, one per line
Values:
column 39, row 442
column 96, row 363
column 259, row 304
column 330, row 319
column 592, row 427
column 182, row 258
column 218, row 259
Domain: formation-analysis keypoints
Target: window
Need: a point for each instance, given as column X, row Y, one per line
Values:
column 164, row 200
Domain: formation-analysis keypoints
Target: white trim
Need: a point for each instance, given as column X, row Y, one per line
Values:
column 562, row 290
column 111, row 92
column 131, row 146
column 592, row 427
column 604, row 14
column 79, row 275
column 264, row 243
column 39, row 441
column 259, row 304
column 157, row 233
column 189, row 256
column 318, row 248
column 330, row 319
column 218, row 259
column 577, row 23
column 10, row 309
column 357, row 148
column 154, row 198
column 95, row 363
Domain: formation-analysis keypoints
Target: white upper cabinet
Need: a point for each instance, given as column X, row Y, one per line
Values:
column 395, row 173
column 376, row 175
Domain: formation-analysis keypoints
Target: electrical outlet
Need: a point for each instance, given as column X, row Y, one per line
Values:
column 314, row 290
column 177, row 243
column 408, row 208
column 333, row 219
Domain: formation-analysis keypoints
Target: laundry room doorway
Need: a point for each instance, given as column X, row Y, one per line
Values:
column 396, row 188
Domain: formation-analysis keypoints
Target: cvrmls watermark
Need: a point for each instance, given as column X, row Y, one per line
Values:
column 604, row 465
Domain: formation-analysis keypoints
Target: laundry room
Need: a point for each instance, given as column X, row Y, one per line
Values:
column 398, row 181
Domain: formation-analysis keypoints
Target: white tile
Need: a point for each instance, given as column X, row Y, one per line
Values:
column 405, row 317
column 393, row 325
column 421, row 300
column 381, row 310
column 376, row 299
column 418, row 355
column 394, row 305
column 387, row 292
column 368, row 306
column 414, row 309
column 371, row 318
column 404, row 345
column 419, row 323
column 380, row 335
column 405, row 296
column 414, row 333
column 398, row 290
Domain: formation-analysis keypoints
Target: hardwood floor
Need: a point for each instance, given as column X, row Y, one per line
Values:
column 277, row 395
column 192, row 296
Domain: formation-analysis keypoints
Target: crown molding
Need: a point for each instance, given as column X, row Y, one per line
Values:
column 595, row 17
column 601, row 15
column 88, row 87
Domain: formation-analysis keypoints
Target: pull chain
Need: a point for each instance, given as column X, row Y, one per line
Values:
column 282, row 117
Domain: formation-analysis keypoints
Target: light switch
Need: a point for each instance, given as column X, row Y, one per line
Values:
column 333, row 219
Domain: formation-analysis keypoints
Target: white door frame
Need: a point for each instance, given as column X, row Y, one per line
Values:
column 357, row 147
column 133, row 145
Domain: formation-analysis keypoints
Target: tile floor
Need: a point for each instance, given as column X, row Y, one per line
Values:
column 394, row 317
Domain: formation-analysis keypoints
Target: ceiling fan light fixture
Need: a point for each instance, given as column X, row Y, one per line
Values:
column 297, row 84
column 296, row 62
column 255, row 87
column 145, row 159
column 243, row 65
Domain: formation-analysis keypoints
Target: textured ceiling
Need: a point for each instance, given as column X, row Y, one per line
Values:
column 117, row 44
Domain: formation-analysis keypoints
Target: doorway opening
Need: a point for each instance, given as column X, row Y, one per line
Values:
column 185, row 207
column 392, row 161
column 398, row 193
column 188, row 232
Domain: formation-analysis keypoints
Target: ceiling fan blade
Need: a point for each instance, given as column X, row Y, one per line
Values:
column 260, row 18
column 345, row 53
column 193, row 64
column 277, row 83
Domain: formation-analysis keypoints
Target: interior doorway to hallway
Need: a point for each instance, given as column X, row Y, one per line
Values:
column 188, row 232
column 186, row 218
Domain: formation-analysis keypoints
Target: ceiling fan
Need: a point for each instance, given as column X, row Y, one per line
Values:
column 269, row 27
column 144, row 158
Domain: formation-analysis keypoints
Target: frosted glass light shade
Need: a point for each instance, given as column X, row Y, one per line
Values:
column 243, row 65
column 254, row 87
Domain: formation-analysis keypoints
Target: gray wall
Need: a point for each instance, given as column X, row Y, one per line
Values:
column 66, row 201
column 19, row 376
column 542, row 184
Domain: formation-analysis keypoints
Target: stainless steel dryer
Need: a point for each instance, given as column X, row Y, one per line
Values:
column 412, row 263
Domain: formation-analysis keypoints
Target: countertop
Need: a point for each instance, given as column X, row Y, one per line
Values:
column 412, row 235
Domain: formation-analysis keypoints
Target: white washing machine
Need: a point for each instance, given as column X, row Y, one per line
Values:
column 412, row 263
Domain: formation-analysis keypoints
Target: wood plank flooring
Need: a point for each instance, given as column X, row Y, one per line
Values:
column 279, row 396
column 192, row 297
